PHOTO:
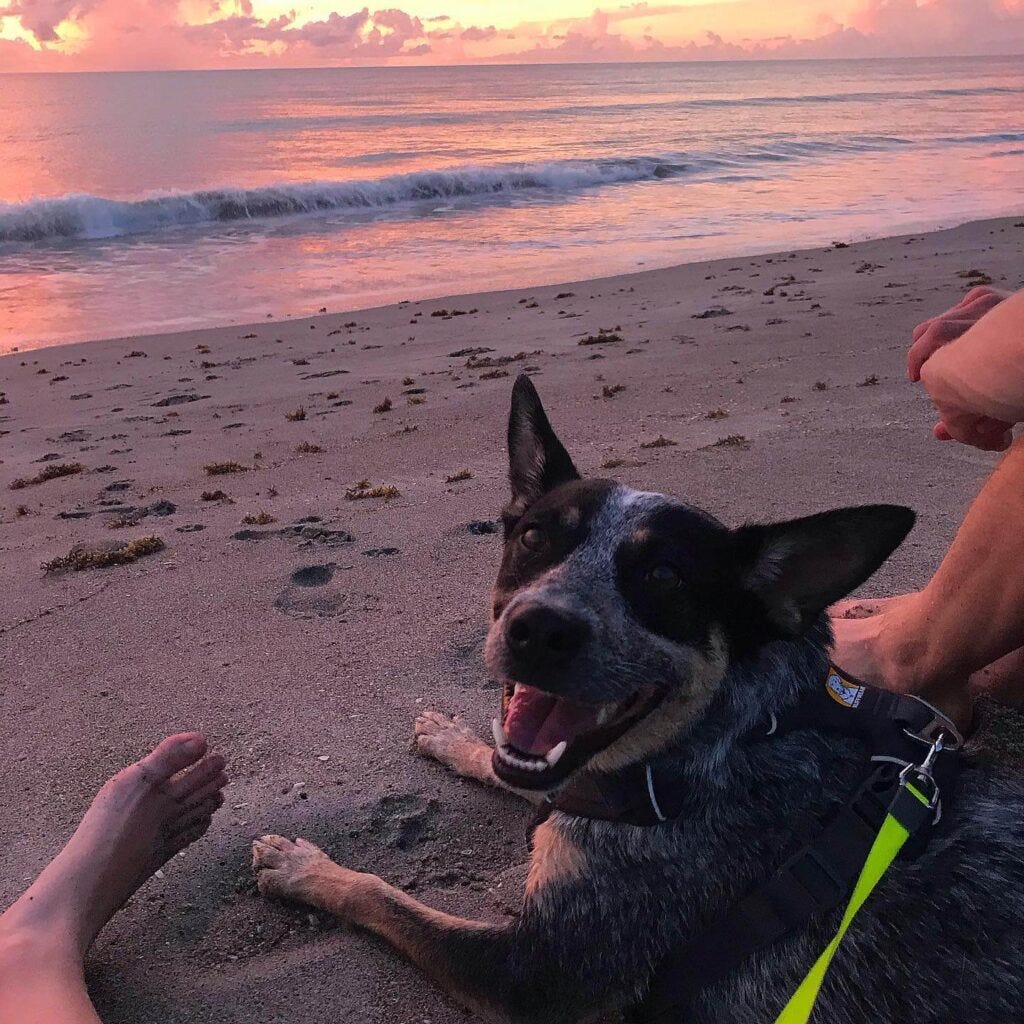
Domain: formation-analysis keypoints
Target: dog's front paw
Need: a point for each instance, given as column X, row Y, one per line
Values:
column 448, row 740
column 291, row 870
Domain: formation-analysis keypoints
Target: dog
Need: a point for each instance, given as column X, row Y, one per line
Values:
column 629, row 628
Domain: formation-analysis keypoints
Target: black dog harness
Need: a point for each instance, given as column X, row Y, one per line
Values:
column 819, row 874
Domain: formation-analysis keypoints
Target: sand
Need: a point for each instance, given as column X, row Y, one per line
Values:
column 305, row 647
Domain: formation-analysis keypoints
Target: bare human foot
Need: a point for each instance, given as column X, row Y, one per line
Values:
column 141, row 818
column 864, row 647
column 859, row 629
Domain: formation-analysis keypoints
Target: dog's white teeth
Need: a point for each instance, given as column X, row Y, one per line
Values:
column 554, row 755
column 516, row 688
column 526, row 764
column 500, row 739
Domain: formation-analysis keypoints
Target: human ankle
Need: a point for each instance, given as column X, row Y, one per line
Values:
column 908, row 665
column 26, row 943
column 46, row 919
column 902, row 657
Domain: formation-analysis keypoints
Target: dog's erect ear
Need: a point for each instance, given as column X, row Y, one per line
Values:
column 537, row 460
column 798, row 568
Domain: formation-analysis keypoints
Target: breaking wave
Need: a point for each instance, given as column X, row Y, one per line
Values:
column 88, row 216
column 73, row 217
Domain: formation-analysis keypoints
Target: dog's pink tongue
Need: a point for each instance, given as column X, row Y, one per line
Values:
column 537, row 721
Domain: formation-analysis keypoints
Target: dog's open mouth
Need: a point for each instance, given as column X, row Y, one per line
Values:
column 541, row 738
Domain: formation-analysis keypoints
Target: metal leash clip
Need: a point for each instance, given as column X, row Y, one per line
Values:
column 940, row 725
column 920, row 775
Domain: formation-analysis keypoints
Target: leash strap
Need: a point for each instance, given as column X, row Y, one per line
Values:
column 909, row 811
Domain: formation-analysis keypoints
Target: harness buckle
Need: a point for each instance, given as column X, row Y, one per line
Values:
column 921, row 774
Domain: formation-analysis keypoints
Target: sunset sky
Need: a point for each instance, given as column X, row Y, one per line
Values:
column 76, row 35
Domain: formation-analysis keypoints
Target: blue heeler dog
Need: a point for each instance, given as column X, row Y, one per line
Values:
column 631, row 629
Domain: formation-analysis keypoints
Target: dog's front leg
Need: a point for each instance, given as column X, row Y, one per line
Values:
column 582, row 946
column 463, row 957
column 455, row 745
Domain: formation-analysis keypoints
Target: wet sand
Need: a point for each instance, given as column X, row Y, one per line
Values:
column 305, row 640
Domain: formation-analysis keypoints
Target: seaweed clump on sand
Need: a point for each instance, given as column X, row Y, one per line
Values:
column 259, row 519
column 103, row 556
column 51, row 472
column 364, row 489
column 604, row 336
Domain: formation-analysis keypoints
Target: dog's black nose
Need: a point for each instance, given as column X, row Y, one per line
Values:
column 540, row 633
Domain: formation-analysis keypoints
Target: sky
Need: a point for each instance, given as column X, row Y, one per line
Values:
column 117, row 35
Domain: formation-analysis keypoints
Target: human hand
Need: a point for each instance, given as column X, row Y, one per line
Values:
column 984, row 432
column 932, row 334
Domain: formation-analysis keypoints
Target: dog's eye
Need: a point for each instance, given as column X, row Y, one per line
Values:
column 533, row 538
column 664, row 578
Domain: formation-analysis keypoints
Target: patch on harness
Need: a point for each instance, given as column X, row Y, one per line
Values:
column 842, row 691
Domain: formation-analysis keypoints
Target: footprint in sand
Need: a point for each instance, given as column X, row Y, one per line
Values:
column 313, row 575
column 309, row 531
column 402, row 820
column 313, row 594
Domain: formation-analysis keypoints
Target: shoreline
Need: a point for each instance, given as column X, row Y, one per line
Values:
column 503, row 290
column 301, row 619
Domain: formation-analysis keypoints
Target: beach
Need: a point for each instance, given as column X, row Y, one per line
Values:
column 325, row 492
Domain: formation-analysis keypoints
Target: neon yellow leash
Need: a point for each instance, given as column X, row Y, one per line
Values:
column 908, row 812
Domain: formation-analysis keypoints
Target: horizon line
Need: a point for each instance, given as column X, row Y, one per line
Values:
column 516, row 64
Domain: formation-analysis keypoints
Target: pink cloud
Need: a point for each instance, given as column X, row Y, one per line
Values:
column 335, row 30
column 361, row 35
column 41, row 17
column 476, row 34
column 878, row 28
column 961, row 26
column 236, row 37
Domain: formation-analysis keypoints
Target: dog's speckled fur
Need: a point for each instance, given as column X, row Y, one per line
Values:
column 938, row 942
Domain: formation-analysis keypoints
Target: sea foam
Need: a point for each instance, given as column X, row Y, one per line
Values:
column 88, row 216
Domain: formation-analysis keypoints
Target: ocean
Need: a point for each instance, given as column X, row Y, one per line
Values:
column 136, row 203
